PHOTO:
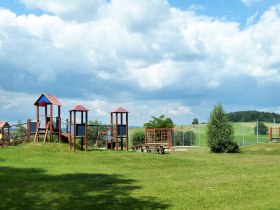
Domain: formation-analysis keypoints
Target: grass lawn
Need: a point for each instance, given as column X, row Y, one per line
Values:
column 49, row 176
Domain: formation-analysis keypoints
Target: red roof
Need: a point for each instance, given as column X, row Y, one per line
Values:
column 52, row 99
column 4, row 124
column 119, row 110
column 80, row 108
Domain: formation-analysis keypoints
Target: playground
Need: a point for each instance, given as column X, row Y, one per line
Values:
column 35, row 174
column 39, row 175
column 49, row 126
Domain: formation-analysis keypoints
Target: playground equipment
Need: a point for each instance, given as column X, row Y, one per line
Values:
column 47, row 124
column 272, row 134
column 4, row 129
column 159, row 136
column 50, row 123
column 11, row 135
column 4, row 132
column 78, row 130
column 119, row 129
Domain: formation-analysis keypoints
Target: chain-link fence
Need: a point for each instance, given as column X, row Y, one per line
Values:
column 246, row 133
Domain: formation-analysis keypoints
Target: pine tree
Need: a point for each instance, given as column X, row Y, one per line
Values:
column 220, row 132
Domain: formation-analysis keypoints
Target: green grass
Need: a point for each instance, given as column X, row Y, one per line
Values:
column 49, row 176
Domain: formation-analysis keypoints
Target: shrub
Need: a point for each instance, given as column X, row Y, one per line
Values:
column 138, row 137
column 220, row 132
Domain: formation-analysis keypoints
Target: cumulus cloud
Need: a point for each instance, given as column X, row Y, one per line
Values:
column 78, row 10
column 120, row 51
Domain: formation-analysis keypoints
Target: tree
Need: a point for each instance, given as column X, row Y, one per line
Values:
column 138, row 137
column 220, row 132
column 195, row 121
column 159, row 122
column 261, row 130
column 93, row 129
column 20, row 129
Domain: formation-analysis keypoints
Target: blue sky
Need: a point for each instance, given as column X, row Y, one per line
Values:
column 153, row 57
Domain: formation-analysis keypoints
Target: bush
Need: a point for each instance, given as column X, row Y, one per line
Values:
column 138, row 137
column 220, row 132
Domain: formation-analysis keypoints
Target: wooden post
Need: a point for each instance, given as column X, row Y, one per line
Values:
column 126, row 122
column 28, row 130
column 82, row 122
column 112, row 132
column 75, row 132
column 37, row 123
column 86, row 131
column 59, row 123
column 51, row 122
column 46, row 115
column 70, row 130
column 117, row 133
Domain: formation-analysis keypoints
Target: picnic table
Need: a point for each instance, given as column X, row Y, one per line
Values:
column 159, row 147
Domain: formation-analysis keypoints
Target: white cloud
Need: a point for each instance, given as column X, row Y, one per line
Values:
column 178, row 109
column 142, row 50
column 249, row 3
column 79, row 10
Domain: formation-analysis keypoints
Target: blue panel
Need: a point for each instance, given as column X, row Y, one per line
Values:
column 33, row 127
column 43, row 98
column 122, row 130
column 80, row 129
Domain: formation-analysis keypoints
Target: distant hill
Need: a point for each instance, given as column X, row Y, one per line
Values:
column 249, row 116
column 134, row 126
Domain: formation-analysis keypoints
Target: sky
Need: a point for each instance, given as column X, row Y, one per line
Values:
column 178, row 58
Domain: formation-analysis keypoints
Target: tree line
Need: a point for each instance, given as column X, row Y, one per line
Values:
column 250, row 116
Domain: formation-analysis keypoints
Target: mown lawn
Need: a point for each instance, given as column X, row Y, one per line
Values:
column 49, row 176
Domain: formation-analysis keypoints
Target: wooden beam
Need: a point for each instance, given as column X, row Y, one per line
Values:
column 117, row 133
column 126, row 122
column 70, row 130
column 75, row 132
column 59, row 123
column 37, row 123
column 86, row 132
column 51, row 122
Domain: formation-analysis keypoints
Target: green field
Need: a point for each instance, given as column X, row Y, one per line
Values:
column 49, row 176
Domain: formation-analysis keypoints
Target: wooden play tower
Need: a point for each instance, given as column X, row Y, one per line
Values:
column 119, row 127
column 4, row 130
column 47, row 123
column 78, row 129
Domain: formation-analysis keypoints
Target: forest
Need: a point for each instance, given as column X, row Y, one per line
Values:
column 250, row 116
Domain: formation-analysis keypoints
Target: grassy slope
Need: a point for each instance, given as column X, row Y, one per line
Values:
column 49, row 176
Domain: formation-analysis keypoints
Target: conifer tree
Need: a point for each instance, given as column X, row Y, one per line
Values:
column 220, row 132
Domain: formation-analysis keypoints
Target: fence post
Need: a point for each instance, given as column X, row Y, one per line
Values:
column 257, row 131
column 243, row 134
column 199, row 135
